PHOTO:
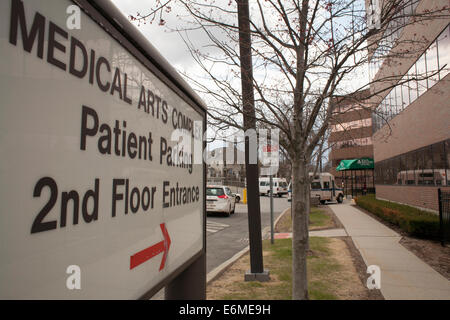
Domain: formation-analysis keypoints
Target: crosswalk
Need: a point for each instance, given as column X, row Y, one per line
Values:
column 213, row 227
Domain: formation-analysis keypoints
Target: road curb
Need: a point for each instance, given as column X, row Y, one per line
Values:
column 216, row 272
column 280, row 216
column 219, row 270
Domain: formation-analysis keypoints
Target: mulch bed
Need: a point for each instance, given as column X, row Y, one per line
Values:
column 357, row 259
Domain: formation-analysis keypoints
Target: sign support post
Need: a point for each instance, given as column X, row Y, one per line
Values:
column 190, row 284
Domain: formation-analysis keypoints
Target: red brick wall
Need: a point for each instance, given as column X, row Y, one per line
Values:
column 352, row 152
column 350, row 134
column 417, row 196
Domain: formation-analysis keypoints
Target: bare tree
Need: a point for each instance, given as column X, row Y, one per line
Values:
column 305, row 52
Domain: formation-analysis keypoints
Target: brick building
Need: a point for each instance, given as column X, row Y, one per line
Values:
column 351, row 138
column 411, row 140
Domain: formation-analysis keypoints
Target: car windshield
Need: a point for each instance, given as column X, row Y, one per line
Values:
column 315, row 185
column 283, row 184
column 214, row 192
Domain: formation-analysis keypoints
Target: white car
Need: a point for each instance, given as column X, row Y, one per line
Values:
column 220, row 199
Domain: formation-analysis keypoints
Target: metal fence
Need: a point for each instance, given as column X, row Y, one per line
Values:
column 226, row 181
column 444, row 215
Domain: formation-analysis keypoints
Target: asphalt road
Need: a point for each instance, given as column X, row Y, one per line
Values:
column 226, row 236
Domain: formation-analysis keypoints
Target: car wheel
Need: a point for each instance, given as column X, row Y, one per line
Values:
column 340, row 198
column 228, row 213
column 238, row 199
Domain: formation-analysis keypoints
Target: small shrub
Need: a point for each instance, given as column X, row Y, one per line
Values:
column 415, row 222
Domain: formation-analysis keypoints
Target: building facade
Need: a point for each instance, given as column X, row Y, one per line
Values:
column 226, row 166
column 411, row 124
column 351, row 138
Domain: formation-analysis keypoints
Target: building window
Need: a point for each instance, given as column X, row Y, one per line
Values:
column 405, row 96
column 351, row 125
column 432, row 65
column 420, row 173
column 426, row 166
column 357, row 142
column 401, row 177
column 403, row 12
column 421, row 70
column 443, row 42
column 447, row 156
column 412, row 84
column 428, row 169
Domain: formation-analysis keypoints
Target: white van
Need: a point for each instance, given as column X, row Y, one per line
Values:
column 280, row 186
column 323, row 187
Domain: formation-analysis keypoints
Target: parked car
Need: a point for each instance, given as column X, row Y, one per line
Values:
column 280, row 186
column 236, row 196
column 220, row 199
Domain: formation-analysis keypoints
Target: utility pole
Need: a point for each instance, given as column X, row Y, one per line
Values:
column 257, row 271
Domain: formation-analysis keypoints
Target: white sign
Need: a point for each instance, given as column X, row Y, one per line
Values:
column 87, row 176
column 374, row 15
column 270, row 151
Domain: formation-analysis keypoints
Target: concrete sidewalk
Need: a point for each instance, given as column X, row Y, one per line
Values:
column 328, row 233
column 403, row 275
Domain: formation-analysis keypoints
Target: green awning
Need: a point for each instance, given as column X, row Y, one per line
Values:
column 355, row 164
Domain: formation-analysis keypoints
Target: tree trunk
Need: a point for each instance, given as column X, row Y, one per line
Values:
column 300, row 207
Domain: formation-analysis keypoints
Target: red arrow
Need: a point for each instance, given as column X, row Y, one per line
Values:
column 148, row 253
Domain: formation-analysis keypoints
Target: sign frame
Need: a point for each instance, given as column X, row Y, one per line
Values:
column 112, row 21
column 125, row 35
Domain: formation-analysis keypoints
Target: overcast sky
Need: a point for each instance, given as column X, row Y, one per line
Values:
column 168, row 43
column 171, row 45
